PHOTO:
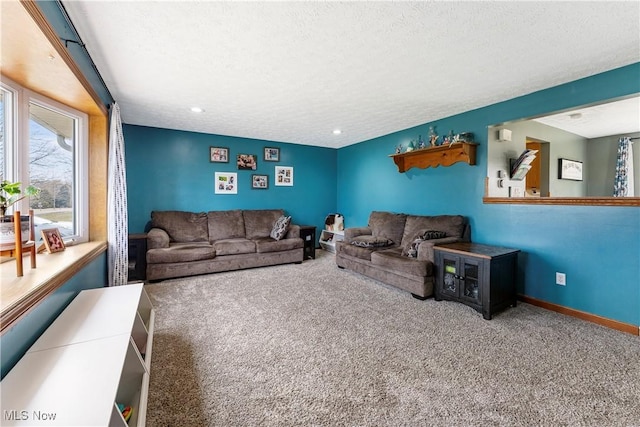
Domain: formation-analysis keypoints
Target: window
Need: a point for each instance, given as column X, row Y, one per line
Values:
column 3, row 126
column 48, row 151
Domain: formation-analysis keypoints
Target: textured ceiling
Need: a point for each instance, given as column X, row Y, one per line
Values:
column 295, row 71
column 613, row 118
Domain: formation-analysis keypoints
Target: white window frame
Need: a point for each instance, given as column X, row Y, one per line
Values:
column 17, row 167
column 10, row 130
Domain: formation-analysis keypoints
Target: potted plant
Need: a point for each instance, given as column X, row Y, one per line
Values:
column 10, row 193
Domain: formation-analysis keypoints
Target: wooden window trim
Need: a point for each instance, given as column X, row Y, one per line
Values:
column 574, row 201
column 53, row 271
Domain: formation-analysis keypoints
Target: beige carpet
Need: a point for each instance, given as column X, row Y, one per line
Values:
column 313, row 345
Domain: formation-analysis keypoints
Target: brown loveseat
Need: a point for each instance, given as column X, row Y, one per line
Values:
column 397, row 249
column 189, row 243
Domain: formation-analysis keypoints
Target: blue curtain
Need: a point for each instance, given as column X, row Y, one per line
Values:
column 623, row 186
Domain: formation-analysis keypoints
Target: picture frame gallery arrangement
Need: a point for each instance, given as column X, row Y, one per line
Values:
column 226, row 182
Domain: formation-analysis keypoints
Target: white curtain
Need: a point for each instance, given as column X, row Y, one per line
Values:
column 623, row 186
column 118, row 234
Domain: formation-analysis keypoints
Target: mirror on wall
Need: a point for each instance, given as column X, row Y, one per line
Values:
column 573, row 153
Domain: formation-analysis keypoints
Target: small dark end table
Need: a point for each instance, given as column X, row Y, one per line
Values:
column 308, row 234
column 137, row 257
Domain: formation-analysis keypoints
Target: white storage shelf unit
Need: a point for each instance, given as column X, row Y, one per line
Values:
column 329, row 238
column 96, row 354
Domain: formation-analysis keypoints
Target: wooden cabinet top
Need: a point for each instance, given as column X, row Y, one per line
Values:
column 444, row 155
column 475, row 249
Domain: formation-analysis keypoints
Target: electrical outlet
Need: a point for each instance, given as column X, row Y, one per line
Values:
column 561, row 279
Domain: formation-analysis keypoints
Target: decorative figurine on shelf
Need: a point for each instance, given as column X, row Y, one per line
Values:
column 421, row 143
column 466, row 137
column 448, row 140
column 399, row 149
column 433, row 136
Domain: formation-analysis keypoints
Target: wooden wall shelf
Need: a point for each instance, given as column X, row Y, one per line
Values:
column 444, row 155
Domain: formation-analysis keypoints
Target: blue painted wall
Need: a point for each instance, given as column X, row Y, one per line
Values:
column 597, row 247
column 170, row 170
column 16, row 341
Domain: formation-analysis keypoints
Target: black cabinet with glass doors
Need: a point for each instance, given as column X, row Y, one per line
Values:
column 480, row 276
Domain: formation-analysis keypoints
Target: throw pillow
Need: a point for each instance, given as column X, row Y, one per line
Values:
column 280, row 227
column 367, row 241
column 433, row 234
column 411, row 250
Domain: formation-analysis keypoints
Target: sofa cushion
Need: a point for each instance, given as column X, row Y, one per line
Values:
column 182, row 226
column 225, row 225
column 411, row 250
column 452, row 225
column 358, row 251
column 368, row 241
column 267, row 244
column 259, row 223
column 387, row 224
column 234, row 246
column 181, row 252
column 392, row 259
column 280, row 227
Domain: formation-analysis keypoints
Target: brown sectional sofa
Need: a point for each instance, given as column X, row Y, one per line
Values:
column 397, row 249
column 190, row 243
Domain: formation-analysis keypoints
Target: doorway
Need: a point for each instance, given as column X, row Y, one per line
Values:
column 537, row 179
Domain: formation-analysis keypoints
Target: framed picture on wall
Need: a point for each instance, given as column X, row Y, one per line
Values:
column 271, row 154
column 259, row 182
column 226, row 183
column 570, row 169
column 284, row 176
column 218, row 155
column 247, row 162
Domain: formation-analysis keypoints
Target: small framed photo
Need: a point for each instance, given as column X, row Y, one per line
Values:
column 247, row 162
column 570, row 169
column 52, row 240
column 284, row 176
column 226, row 183
column 259, row 182
column 218, row 155
column 271, row 154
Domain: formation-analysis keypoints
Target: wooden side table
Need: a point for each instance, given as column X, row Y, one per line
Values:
column 137, row 256
column 480, row 276
column 308, row 234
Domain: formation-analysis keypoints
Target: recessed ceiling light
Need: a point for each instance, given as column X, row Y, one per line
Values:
column 337, row 132
column 197, row 109
column 575, row 116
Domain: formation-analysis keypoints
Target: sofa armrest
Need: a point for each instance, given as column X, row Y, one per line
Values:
column 293, row 232
column 157, row 238
column 425, row 248
column 350, row 233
